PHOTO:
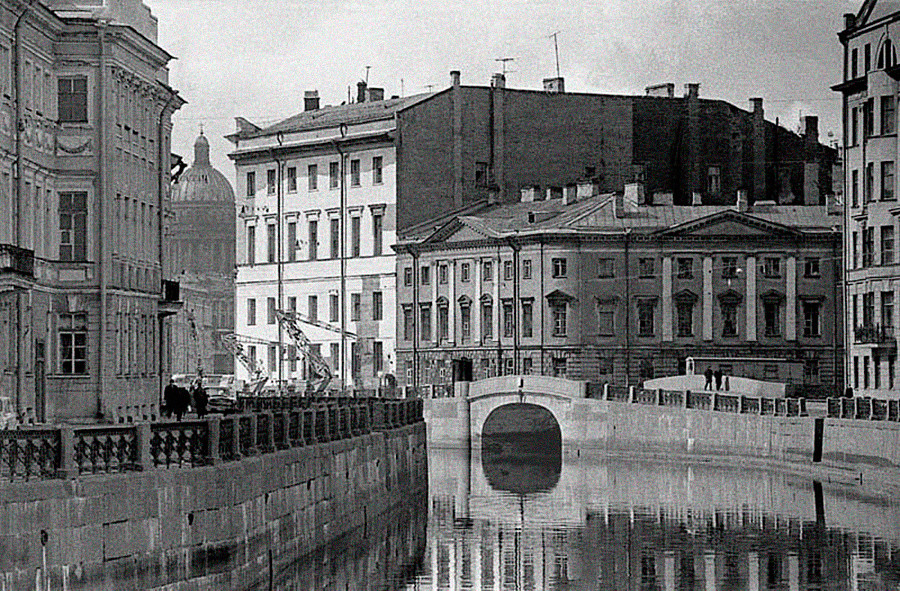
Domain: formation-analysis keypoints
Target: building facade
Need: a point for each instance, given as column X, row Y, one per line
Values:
column 199, row 251
column 870, row 90
column 598, row 287
column 85, row 122
column 354, row 176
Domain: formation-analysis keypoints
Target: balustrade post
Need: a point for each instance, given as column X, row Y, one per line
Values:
column 253, row 448
column 142, row 435
column 213, row 425
column 687, row 399
column 236, row 437
column 270, row 431
column 715, row 401
column 803, row 412
column 630, row 393
column 67, row 467
column 658, row 397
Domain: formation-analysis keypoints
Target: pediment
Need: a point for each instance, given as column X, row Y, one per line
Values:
column 559, row 296
column 456, row 230
column 730, row 223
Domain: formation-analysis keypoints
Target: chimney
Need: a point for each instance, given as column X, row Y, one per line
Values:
column 742, row 204
column 849, row 21
column 758, row 142
column 360, row 92
column 570, row 194
column 665, row 90
column 587, row 189
column 454, row 78
column 692, row 90
column 756, row 106
column 498, row 81
column 811, row 127
column 631, row 199
column 555, row 85
column 311, row 100
column 374, row 94
column 531, row 194
column 552, row 193
column 696, row 199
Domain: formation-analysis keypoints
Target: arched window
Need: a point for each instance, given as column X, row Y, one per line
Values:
column 887, row 55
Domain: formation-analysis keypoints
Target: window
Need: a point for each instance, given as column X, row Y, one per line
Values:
column 866, row 372
column 887, row 245
column 313, row 239
column 273, row 357
column 729, row 267
column 292, row 179
column 73, row 343
column 646, row 309
column 527, row 318
column 333, row 307
column 868, row 190
column 355, row 359
column 465, row 321
column 606, row 319
column 354, row 172
column 377, row 233
column 251, row 245
column 487, row 271
column 868, row 115
column 868, row 309
column 527, row 366
column 685, row 320
column 292, row 303
column 335, row 357
column 887, row 311
column 888, row 114
column 481, row 174
column 559, row 268
column 685, row 268
column 526, row 269
column 335, row 238
column 425, row 321
column 887, row 56
column 487, row 320
column 292, row 358
column 854, row 255
column 377, row 305
column 407, row 323
column 443, row 321
column 464, row 272
column 646, row 369
column 334, row 173
column 509, row 323
column 811, row 319
column 355, row 306
column 854, row 127
column 407, row 276
column 729, row 319
column 646, row 267
column 251, row 312
column 605, row 267
column 772, row 314
column 811, row 267
column 270, row 181
column 887, row 181
column 868, row 246
column 425, row 273
column 312, row 307
column 377, row 357
column 558, row 314
column 443, row 273
column 771, row 267
column 876, row 371
column 271, row 243
column 377, row 170
column 811, row 370
column 312, row 177
column 854, row 62
column 856, row 372
column 559, row 367
column 507, row 270
column 72, row 99
column 292, row 241
column 854, row 188
column 713, row 180
column 270, row 309
column 73, row 226
column 251, row 183
column 354, row 236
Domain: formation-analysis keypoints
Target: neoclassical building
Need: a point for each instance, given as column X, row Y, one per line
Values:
column 607, row 288
column 199, row 253
column 85, row 126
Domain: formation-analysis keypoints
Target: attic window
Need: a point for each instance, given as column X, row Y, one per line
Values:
column 887, row 55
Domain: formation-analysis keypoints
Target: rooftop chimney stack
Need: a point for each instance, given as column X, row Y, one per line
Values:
column 811, row 128
column 692, row 90
column 360, row 92
column 742, row 204
column 374, row 94
column 454, row 78
column 696, row 199
column 570, row 194
column 311, row 100
column 555, row 85
column 665, row 90
column 498, row 81
column 756, row 105
column 849, row 20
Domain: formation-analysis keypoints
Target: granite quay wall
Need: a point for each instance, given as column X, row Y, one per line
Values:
column 251, row 510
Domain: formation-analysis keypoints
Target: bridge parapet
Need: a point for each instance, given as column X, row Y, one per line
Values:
column 545, row 385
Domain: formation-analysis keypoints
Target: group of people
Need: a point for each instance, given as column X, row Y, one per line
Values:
column 178, row 400
column 716, row 375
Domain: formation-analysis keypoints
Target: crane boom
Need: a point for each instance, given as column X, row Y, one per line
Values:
column 318, row 366
column 234, row 343
column 318, row 323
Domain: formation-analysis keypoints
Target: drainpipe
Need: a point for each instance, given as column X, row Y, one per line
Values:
column 627, row 311
column 514, row 246
column 343, row 254
column 163, row 173
column 279, row 263
column 414, row 251
column 101, row 208
column 845, row 220
column 543, row 326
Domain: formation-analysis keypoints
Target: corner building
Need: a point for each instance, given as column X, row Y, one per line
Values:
column 870, row 89
column 598, row 287
column 85, row 124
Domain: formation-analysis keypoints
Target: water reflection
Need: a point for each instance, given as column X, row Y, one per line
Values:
column 521, row 449
column 623, row 524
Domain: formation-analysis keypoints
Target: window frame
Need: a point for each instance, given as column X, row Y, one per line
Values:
column 72, row 333
column 72, row 102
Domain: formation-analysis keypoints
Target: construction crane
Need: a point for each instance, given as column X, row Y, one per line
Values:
column 235, row 343
column 313, row 322
column 195, row 338
column 318, row 367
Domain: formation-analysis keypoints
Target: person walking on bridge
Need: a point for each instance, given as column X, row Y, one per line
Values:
column 708, row 374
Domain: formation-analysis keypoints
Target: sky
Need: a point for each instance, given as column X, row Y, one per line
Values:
column 255, row 58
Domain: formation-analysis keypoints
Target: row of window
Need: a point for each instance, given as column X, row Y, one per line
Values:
column 887, row 58
column 868, row 309
column 376, row 312
column 872, row 371
column 606, row 319
column 770, row 268
column 293, row 245
column 866, row 112
column 312, row 176
column 866, row 247
column 886, row 192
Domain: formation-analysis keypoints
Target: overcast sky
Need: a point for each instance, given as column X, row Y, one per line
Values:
column 254, row 58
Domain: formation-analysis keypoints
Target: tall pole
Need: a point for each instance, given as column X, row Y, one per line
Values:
column 556, row 51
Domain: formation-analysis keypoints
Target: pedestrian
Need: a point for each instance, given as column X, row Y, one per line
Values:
column 201, row 399
column 169, row 395
column 718, row 376
column 727, row 384
column 709, row 378
column 182, row 401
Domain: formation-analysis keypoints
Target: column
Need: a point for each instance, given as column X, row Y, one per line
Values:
column 669, row 571
column 435, row 279
column 707, row 298
column 496, row 309
column 667, row 333
column 709, row 573
column 751, row 298
column 476, row 303
column 752, row 571
column 790, row 294
column 793, row 561
column 451, row 296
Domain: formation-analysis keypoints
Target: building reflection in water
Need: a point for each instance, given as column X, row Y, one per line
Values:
column 619, row 524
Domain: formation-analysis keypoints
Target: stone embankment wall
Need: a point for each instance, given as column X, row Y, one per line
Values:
column 140, row 530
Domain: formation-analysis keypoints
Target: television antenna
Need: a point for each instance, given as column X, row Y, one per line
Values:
column 554, row 35
column 503, row 61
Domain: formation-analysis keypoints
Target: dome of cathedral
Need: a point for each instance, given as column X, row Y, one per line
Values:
column 201, row 182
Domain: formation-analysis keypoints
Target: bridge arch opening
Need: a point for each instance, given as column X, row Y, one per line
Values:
column 521, row 449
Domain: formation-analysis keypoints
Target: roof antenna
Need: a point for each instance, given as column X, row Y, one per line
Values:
column 503, row 61
column 201, row 128
column 556, row 50
column 367, row 75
